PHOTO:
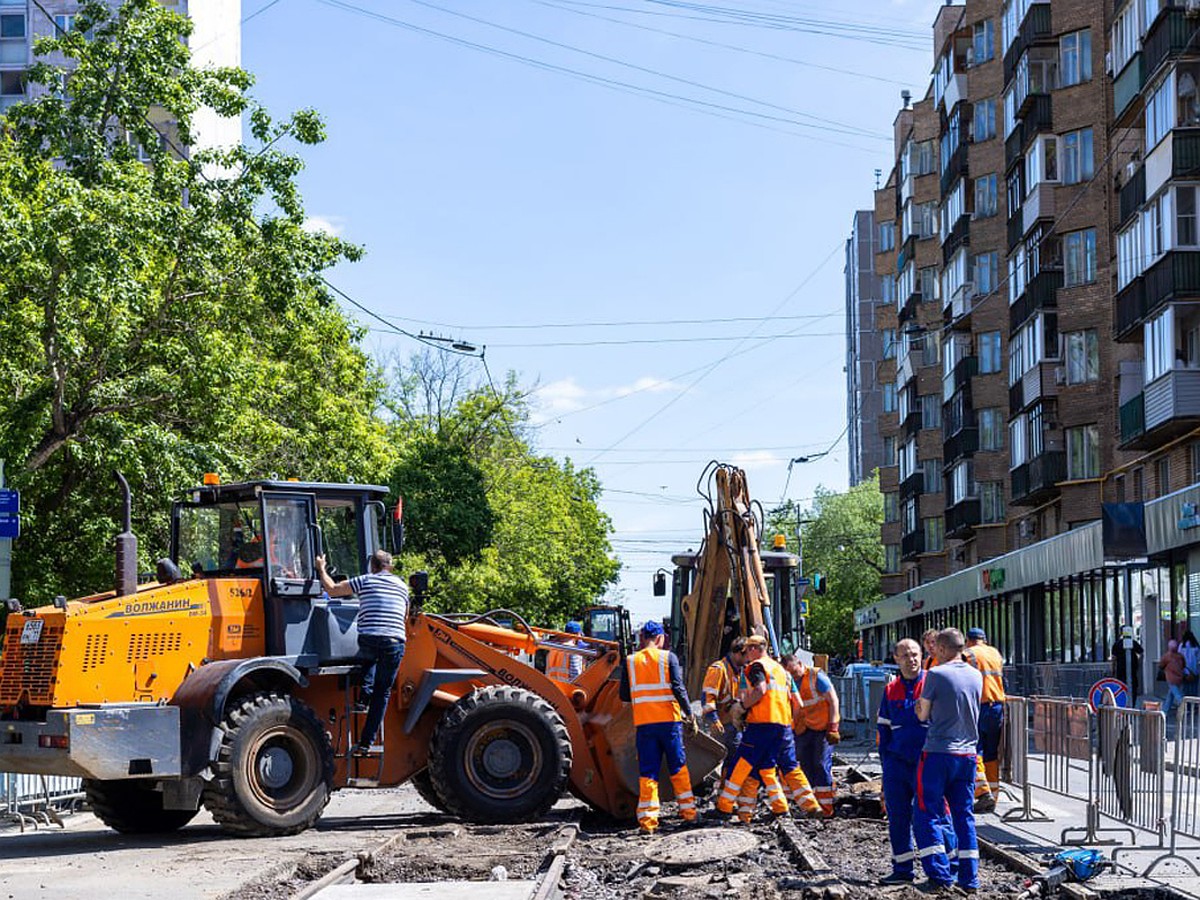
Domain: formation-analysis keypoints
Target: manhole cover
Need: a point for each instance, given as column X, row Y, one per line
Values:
column 694, row 848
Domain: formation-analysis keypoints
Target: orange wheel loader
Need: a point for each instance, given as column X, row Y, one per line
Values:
column 230, row 682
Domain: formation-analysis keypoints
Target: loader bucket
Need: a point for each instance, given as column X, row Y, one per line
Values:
column 704, row 755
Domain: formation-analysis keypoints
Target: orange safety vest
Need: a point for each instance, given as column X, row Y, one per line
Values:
column 650, row 687
column 990, row 663
column 558, row 666
column 775, row 707
column 719, row 681
column 814, row 708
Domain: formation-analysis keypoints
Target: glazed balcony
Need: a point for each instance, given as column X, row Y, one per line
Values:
column 1038, row 479
column 1168, row 407
column 1176, row 276
column 1170, row 35
column 1127, row 90
column 1041, row 293
column 912, row 544
column 1037, row 384
column 1034, row 28
column 1133, row 195
column 962, row 517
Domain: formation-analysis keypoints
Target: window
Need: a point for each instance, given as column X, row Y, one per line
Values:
column 935, row 532
column 1156, row 217
column 927, row 278
column 1125, row 35
column 955, row 274
column 962, row 482
column 889, row 398
column 1138, row 477
column 891, row 558
column 1077, row 162
column 987, row 272
column 983, row 43
column 1079, row 258
column 1187, row 95
column 1129, row 254
column 955, row 208
column 1075, row 57
column 931, row 476
column 991, row 428
column 1162, row 470
column 931, row 410
column 926, row 220
column 1083, row 356
column 889, row 451
column 931, row 353
column 985, row 119
column 986, row 197
column 887, row 289
column 1017, row 441
column 991, row 502
column 1017, row 275
column 1160, row 106
column 989, row 352
column 1027, row 347
column 12, row 84
column 64, row 23
column 924, row 157
column 1158, row 339
column 13, row 49
column 891, row 507
column 1042, row 162
column 1016, row 191
column 1185, row 217
column 908, row 516
column 889, row 343
column 887, row 236
column 1083, row 452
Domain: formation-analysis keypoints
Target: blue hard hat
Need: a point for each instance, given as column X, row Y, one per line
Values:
column 652, row 628
column 574, row 628
column 977, row 634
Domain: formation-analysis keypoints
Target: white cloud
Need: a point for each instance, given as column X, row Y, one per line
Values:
column 330, row 225
column 646, row 384
column 567, row 395
column 756, row 458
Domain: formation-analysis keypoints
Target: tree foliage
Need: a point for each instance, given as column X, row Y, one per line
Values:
column 163, row 319
column 841, row 541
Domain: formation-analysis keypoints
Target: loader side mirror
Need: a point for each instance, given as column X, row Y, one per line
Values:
column 398, row 530
column 418, row 584
column 660, row 584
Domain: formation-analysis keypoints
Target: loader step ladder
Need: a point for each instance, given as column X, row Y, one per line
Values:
column 361, row 771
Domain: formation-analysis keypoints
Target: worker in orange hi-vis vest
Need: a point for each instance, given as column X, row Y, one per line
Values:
column 767, row 743
column 562, row 666
column 927, row 640
column 990, row 663
column 720, row 694
column 817, row 728
column 652, row 680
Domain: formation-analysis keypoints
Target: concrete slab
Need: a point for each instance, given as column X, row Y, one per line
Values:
column 442, row 890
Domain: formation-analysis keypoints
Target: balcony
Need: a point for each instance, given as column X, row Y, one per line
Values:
column 1016, row 229
column 956, row 168
column 1036, row 116
column 911, row 423
column 1185, row 152
column 913, row 485
column 1133, row 195
column 1034, row 28
column 908, row 250
column 1168, row 407
column 956, row 238
column 1038, row 479
column 1170, row 35
column 912, row 543
column 1176, row 276
column 904, row 370
column 1038, row 205
column 962, row 373
column 964, row 443
column 961, row 302
column 962, row 517
column 1130, row 310
column 1037, row 384
column 908, row 310
column 1126, row 89
column 1041, row 293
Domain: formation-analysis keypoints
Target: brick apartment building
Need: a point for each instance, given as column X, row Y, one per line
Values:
column 864, row 347
column 1040, row 224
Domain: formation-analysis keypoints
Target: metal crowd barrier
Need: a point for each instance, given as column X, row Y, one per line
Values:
column 1014, row 760
column 38, row 799
column 1185, row 787
column 1130, row 783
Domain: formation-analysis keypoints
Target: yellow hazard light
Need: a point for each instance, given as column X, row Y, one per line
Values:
column 294, row 479
column 212, row 478
column 779, row 542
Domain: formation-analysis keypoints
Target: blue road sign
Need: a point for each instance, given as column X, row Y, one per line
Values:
column 10, row 525
column 10, row 501
column 1119, row 690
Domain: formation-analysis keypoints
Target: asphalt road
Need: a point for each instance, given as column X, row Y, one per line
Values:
column 87, row 860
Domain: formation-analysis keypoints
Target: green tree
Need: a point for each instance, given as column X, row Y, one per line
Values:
column 841, row 542
column 166, row 318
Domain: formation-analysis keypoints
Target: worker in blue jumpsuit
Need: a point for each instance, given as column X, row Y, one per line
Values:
column 949, row 702
column 901, row 740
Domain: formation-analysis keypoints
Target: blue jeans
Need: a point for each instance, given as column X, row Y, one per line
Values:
column 378, row 677
column 1174, row 698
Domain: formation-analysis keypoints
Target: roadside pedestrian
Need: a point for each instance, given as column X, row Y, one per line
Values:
column 1189, row 649
column 720, row 695
column 562, row 666
column 927, row 642
column 652, row 680
column 817, row 727
column 1127, row 654
column 1174, row 668
column 382, row 608
column 990, row 663
column 767, row 747
column 949, row 702
column 901, row 740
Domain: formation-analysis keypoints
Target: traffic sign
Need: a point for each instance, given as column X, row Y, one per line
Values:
column 10, row 525
column 10, row 501
column 1120, row 692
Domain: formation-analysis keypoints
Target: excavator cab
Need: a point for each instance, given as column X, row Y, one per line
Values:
column 270, row 532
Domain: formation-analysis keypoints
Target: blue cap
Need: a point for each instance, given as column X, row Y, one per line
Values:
column 574, row 628
column 653, row 628
column 977, row 634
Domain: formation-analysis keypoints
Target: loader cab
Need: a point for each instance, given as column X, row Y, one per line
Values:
column 788, row 608
column 270, row 532
column 609, row 623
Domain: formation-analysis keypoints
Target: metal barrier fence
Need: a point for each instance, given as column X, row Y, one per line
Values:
column 1060, row 746
column 1053, row 679
column 1014, row 760
column 1185, row 783
column 1130, row 782
column 859, row 694
column 38, row 799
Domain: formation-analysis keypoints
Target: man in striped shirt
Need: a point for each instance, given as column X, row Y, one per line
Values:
column 382, row 607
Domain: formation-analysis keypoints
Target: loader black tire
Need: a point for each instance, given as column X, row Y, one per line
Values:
column 500, row 754
column 274, row 769
column 424, row 785
column 133, row 806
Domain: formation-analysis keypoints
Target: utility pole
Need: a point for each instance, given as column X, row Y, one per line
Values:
column 5, row 555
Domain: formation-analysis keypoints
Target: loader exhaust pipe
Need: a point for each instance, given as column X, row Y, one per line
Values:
column 126, row 548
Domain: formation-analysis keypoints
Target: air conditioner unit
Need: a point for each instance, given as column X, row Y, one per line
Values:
column 1060, row 375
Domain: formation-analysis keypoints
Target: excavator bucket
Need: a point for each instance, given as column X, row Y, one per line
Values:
column 704, row 755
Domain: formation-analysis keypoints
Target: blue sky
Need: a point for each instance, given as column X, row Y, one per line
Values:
column 491, row 192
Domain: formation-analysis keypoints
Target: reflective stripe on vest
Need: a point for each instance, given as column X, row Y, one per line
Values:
column 650, row 687
column 775, row 707
column 814, row 707
column 719, row 682
column 990, row 664
column 558, row 666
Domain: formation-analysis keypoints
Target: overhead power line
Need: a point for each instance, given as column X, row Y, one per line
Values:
column 629, row 323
